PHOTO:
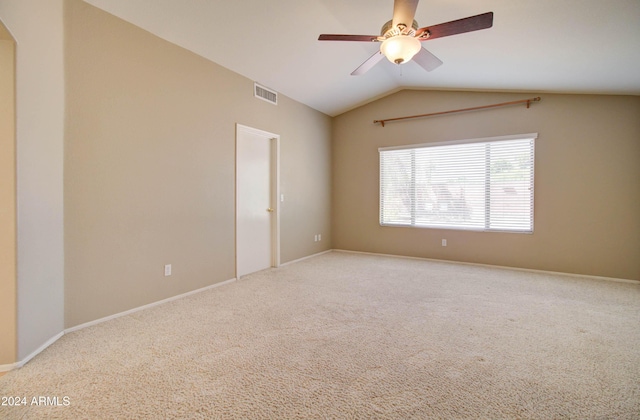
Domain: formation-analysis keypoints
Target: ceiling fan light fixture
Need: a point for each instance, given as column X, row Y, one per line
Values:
column 400, row 48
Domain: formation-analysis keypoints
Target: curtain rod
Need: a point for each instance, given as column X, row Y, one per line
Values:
column 521, row 101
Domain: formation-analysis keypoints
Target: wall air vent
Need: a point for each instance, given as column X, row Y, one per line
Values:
column 265, row 94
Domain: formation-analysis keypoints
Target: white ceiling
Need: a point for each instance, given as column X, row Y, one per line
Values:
column 577, row 46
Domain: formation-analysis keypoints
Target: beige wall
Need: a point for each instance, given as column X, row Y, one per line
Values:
column 8, row 301
column 587, row 200
column 37, row 26
column 149, row 167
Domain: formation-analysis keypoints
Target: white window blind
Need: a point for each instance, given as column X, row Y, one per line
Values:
column 482, row 184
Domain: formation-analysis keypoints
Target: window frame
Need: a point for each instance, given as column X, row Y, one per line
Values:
column 527, row 136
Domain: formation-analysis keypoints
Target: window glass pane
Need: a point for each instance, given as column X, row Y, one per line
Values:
column 396, row 186
column 450, row 186
column 511, row 185
column 482, row 185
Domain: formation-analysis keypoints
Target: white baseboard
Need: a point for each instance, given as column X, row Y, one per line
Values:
column 11, row 366
column 41, row 348
column 502, row 267
column 19, row 364
column 8, row 367
column 141, row 308
column 305, row 258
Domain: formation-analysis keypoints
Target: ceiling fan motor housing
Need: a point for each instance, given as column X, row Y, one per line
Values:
column 388, row 30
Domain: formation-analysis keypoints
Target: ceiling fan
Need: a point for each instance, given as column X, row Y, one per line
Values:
column 401, row 37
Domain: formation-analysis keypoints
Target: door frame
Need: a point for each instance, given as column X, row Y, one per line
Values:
column 274, row 140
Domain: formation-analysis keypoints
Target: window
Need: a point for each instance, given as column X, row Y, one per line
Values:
column 482, row 184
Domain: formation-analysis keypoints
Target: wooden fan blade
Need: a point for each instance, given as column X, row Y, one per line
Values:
column 403, row 12
column 469, row 24
column 359, row 38
column 368, row 64
column 426, row 60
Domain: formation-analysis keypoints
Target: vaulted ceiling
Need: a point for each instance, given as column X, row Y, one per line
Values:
column 574, row 46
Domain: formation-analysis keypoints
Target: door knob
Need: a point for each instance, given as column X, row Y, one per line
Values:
column 270, row 210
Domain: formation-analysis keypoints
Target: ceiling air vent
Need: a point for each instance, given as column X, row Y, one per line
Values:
column 265, row 94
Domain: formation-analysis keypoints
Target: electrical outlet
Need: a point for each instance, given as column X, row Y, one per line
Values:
column 167, row 270
column 444, row 242
column 315, row 238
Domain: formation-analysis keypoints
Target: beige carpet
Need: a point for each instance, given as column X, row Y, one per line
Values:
column 355, row 337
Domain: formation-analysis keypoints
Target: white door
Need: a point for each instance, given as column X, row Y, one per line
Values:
column 256, row 200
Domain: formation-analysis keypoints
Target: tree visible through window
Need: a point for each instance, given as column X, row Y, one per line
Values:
column 484, row 184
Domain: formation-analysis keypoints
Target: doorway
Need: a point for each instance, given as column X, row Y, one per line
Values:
column 257, row 204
